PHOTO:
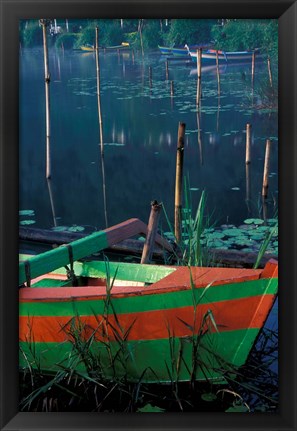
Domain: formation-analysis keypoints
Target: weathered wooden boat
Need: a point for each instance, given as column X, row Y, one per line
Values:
column 224, row 56
column 165, row 50
column 179, row 50
column 90, row 48
column 87, row 48
column 137, row 322
column 125, row 46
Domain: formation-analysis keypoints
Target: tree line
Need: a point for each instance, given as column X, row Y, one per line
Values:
column 223, row 34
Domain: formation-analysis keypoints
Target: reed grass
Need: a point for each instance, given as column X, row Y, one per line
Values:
column 265, row 245
column 189, row 251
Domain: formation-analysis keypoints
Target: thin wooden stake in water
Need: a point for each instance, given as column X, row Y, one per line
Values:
column 44, row 24
column 98, row 92
column 151, row 232
column 253, row 68
column 167, row 69
column 198, row 95
column 178, row 181
column 150, row 76
column 50, row 192
column 248, row 144
column 248, row 185
column 199, row 138
column 266, row 169
column 140, row 35
column 269, row 71
column 171, row 88
column 218, row 73
column 100, row 125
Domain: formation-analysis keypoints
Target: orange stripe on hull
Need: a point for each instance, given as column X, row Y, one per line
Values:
column 229, row 315
column 177, row 281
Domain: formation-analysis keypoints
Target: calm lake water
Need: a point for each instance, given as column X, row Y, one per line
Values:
column 140, row 123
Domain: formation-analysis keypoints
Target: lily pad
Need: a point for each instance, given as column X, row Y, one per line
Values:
column 27, row 222
column 148, row 408
column 232, row 232
column 237, row 409
column 208, row 397
column 76, row 229
column 59, row 228
column 254, row 221
column 29, row 213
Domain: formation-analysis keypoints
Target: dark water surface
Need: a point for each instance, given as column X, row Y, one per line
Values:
column 140, row 123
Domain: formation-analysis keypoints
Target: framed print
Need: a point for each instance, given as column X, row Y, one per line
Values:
column 147, row 212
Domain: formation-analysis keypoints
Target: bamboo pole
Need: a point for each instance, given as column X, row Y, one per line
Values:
column 248, row 184
column 140, row 35
column 265, row 210
column 151, row 232
column 269, row 70
column 248, row 143
column 50, row 192
column 150, row 76
column 198, row 95
column 98, row 92
column 218, row 73
column 253, row 68
column 199, row 138
column 178, row 181
column 167, row 69
column 44, row 24
column 100, row 126
column 266, row 169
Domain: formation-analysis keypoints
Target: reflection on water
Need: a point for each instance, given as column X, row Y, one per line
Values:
column 140, row 121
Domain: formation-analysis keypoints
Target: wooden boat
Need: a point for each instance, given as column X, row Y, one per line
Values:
column 179, row 50
column 137, row 322
column 123, row 47
column 165, row 50
column 87, row 48
column 224, row 56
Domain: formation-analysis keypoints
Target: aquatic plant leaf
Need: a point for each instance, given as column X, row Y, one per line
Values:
column 237, row 409
column 232, row 232
column 76, row 229
column 208, row 397
column 148, row 408
column 254, row 221
column 27, row 222
column 60, row 228
column 29, row 213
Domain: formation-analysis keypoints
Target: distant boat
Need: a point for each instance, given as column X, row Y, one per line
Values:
column 123, row 47
column 224, row 56
column 148, row 323
column 180, row 50
column 166, row 50
column 90, row 48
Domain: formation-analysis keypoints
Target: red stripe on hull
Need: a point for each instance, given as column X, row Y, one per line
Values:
column 229, row 315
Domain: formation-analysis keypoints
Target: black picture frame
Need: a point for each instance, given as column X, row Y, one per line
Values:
column 11, row 11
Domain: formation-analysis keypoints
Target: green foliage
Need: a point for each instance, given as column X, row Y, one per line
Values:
column 151, row 33
column 247, row 34
column 31, row 34
column 110, row 33
column 190, row 31
column 66, row 40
